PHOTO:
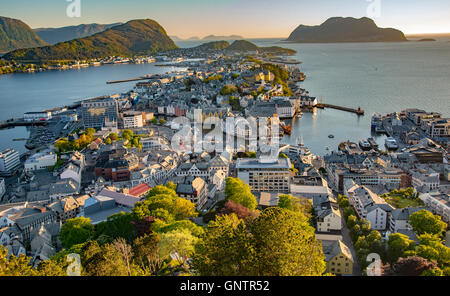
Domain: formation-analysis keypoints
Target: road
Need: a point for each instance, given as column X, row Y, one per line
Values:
column 348, row 241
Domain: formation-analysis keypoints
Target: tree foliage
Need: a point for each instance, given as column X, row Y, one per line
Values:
column 425, row 222
column 239, row 192
column 276, row 243
column 76, row 231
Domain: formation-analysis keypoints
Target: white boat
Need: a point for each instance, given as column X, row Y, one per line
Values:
column 391, row 144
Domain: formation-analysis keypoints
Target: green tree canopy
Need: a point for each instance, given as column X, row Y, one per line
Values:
column 425, row 222
column 278, row 242
column 76, row 231
column 239, row 192
column 398, row 245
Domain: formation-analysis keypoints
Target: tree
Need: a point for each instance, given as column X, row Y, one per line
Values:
column 410, row 266
column 108, row 141
column 113, row 136
column 286, row 245
column 104, row 261
column 117, row 226
column 125, row 250
column 295, row 204
column 232, row 207
column 180, row 241
column 162, row 121
column 127, row 134
column 50, row 268
column 398, row 245
column 167, row 206
column 432, row 248
column 193, row 228
column 425, row 222
column 146, row 252
column 226, row 249
column 14, row 266
column 239, row 192
column 276, row 243
column 76, row 231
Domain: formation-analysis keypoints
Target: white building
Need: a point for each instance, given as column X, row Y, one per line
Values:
column 41, row 161
column 311, row 191
column 399, row 219
column 370, row 206
column 2, row 187
column 329, row 220
column 33, row 116
column 72, row 171
column 438, row 203
column 425, row 180
column 132, row 119
column 9, row 160
column 154, row 143
column 265, row 175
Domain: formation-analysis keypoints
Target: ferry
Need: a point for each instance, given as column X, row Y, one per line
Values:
column 391, row 144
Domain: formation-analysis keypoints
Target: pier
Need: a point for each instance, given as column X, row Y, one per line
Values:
column 20, row 122
column 127, row 80
column 359, row 111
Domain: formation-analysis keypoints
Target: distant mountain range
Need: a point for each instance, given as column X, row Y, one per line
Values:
column 16, row 34
column 219, row 38
column 137, row 37
column 339, row 29
column 209, row 38
column 56, row 35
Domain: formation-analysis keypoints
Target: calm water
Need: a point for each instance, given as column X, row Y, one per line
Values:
column 379, row 77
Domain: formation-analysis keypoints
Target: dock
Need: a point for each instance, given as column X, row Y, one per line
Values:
column 128, row 80
column 359, row 111
column 20, row 122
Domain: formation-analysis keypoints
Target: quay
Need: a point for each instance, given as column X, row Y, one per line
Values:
column 20, row 122
column 127, row 80
column 359, row 111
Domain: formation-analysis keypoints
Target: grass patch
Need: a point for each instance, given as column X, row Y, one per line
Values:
column 401, row 199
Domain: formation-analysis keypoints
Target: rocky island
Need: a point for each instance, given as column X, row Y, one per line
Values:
column 339, row 29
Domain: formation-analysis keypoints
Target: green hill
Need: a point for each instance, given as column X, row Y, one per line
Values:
column 16, row 34
column 242, row 45
column 56, row 35
column 216, row 45
column 137, row 37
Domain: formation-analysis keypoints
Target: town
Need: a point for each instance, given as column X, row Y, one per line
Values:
column 101, row 158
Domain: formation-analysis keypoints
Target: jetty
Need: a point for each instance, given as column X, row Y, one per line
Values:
column 359, row 111
column 20, row 122
column 128, row 80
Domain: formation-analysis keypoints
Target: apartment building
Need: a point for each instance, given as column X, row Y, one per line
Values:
column 9, row 160
column 132, row 119
column 100, row 112
column 265, row 175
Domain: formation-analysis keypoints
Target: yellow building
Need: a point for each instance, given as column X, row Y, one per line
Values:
column 338, row 257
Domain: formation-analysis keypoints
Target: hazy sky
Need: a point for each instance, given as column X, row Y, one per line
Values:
column 249, row 18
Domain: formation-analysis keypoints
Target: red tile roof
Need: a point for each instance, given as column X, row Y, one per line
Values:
column 140, row 190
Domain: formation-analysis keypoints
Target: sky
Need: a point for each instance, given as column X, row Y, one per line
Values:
column 248, row 18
